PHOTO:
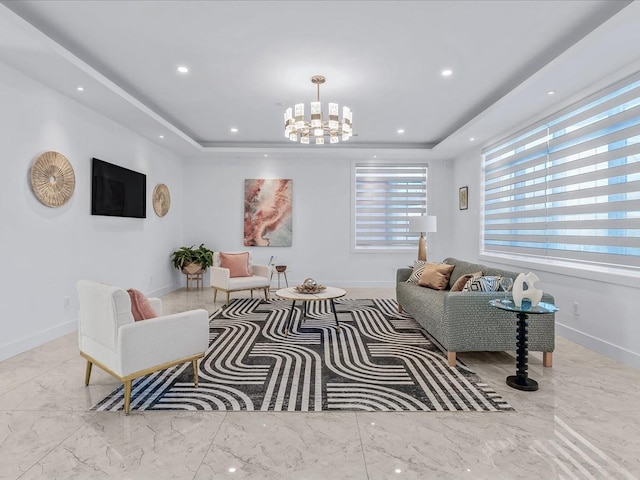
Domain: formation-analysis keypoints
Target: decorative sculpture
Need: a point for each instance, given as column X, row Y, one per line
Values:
column 523, row 287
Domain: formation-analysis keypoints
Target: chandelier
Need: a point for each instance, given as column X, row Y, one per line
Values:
column 298, row 128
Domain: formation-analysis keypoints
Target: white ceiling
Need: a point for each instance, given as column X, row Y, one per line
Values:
column 249, row 60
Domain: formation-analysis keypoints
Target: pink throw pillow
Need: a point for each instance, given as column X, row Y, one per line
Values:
column 141, row 309
column 237, row 263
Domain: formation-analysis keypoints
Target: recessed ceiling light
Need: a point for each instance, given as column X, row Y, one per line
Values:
column 375, row 156
column 80, row 89
column 551, row 92
column 265, row 155
column 183, row 69
column 234, row 130
column 472, row 139
column 232, row 470
column 447, row 73
column 401, row 130
column 160, row 136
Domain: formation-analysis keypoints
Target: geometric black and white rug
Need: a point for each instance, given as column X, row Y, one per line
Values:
column 381, row 360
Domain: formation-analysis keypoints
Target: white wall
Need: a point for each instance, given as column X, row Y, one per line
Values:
column 46, row 250
column 321, row 217
column 607, row 304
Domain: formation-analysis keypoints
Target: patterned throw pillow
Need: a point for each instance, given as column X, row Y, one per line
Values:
column 483, row 284
column 462, row 281
column 418, row 268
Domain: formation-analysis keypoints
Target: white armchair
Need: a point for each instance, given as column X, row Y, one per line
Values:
column 221, row 279
column 109, row 338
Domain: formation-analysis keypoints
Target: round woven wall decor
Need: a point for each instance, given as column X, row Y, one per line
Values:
column 161, row 199
column 52, row 179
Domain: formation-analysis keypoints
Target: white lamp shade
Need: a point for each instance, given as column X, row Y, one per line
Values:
column 423, row 223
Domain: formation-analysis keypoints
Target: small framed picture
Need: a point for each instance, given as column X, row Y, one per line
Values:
column 463, row 198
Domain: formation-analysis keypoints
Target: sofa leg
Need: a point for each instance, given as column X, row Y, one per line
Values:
column 451, row 359
column 547, row 359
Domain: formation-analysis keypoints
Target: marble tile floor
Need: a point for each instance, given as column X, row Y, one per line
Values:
column 583, row 423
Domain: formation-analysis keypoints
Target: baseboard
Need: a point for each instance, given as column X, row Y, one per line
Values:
column 159, row 292
column 27, row 343
column 610, row 350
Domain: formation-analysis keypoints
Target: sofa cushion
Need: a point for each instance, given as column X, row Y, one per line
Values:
column 418, row 267
column 237, row 263
column 141, row 309
column 435, row 275
column 462, row 281
column 488, row 283
column 462, row 267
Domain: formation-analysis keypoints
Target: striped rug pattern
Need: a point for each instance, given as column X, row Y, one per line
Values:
column 379, row 361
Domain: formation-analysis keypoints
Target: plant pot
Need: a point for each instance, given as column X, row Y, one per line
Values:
column 192, row 268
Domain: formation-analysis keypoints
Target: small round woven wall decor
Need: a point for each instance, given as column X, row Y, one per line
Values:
column 161, row 199
column 52, row 179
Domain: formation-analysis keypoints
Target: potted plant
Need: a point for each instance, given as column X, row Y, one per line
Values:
column 192, row 260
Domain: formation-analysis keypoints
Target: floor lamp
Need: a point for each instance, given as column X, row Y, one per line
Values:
column 423, row 224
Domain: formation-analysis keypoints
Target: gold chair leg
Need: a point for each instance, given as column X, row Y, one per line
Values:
column 194, row 365
column 87, row 373
column 127, row 396
column 227, row 298
column 252, row 293
column 266, row 293
column 215, row 294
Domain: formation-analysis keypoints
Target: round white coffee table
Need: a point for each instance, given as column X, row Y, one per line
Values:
column 330, row 293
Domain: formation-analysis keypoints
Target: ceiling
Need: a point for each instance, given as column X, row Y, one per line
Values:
column 249, row 60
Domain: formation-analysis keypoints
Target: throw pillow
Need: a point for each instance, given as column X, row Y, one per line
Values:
column 418, row 267
column 483, row 284
column 237, row 263
column 462, row 281
column 141, row 309
column 436, row 275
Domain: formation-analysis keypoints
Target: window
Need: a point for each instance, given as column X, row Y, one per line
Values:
column 569, row 187
column 385, row 196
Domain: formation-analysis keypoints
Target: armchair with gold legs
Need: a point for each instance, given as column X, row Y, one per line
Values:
column 235, row 271
column 109, row 337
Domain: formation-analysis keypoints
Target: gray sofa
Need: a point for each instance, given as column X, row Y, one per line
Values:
column 465, row 322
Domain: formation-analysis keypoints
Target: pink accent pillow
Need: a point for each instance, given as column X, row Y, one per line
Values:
column 141, row 309
column 237, row 263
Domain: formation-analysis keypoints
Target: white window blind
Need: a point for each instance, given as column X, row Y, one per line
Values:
column 385, row 196
column 569, row 187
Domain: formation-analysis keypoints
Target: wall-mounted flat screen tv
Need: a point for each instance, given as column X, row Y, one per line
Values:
column 117, row 191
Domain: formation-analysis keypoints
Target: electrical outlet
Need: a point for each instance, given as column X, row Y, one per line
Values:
column 576, row 308
column 67, row 303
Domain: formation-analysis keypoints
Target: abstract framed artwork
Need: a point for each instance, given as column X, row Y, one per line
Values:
column 463, row 198
column 267, row 212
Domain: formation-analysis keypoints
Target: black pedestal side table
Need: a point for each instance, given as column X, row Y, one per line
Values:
column 521, row 380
